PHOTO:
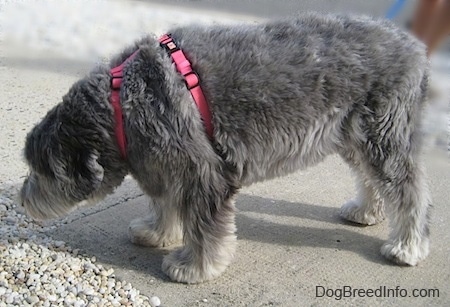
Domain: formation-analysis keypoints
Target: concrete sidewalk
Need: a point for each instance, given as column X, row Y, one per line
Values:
column 292, row 243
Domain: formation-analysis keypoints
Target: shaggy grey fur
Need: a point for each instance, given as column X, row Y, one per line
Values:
column 284, row 95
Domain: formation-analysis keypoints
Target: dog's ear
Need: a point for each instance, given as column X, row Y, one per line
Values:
column 79, row 173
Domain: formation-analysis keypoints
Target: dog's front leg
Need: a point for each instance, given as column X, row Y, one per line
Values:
column 160, row 228
column 207, row 212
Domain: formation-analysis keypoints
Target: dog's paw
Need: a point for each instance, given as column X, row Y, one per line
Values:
column 403, row 254
column 354, row 212
column 142, row 233
column 181, row 266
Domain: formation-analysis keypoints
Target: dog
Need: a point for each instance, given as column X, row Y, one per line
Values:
column 282, row 94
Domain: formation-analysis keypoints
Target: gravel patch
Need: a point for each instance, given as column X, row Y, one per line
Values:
column 39, row 271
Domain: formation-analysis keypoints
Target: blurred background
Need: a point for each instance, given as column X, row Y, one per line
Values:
column 86, row 28
column 94, row 29
column 280, row 8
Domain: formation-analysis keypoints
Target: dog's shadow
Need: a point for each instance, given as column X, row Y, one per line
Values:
column 298, row 224
column 104, row 234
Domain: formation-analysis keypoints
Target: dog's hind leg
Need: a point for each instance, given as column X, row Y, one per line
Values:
column 160, row 228
column 395, row 182
column 390, row 156
column 208, row 212
column 407, row 204
column 368, row 206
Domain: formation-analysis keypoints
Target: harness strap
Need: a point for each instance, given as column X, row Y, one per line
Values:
column 116, row 81
column 192, row 80
column 192, row 83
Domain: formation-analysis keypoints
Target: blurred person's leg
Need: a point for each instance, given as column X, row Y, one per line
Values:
column 424, row 13
column 431, row 22
column 440, row 27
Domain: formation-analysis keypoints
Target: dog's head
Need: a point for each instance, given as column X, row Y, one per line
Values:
column 71, row 154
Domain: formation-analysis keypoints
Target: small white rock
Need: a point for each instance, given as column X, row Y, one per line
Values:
column 155, row 301
column 9, row 299
column 21, row 276
column 89, row 291
column 33, row 299
column 127, row 287
column 111, row 284
column 52, row 298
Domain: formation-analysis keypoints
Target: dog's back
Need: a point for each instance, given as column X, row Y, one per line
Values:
column 281, row 92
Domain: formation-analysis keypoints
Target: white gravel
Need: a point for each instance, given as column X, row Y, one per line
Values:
column 36, row 270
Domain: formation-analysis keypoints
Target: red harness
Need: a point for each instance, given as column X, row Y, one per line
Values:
column 114, row 99
column 184, row 67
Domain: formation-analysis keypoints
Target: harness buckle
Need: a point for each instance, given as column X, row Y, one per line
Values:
column 167, row 42
column 192, row 80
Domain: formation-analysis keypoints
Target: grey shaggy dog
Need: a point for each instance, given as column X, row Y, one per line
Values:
column 283, row 95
